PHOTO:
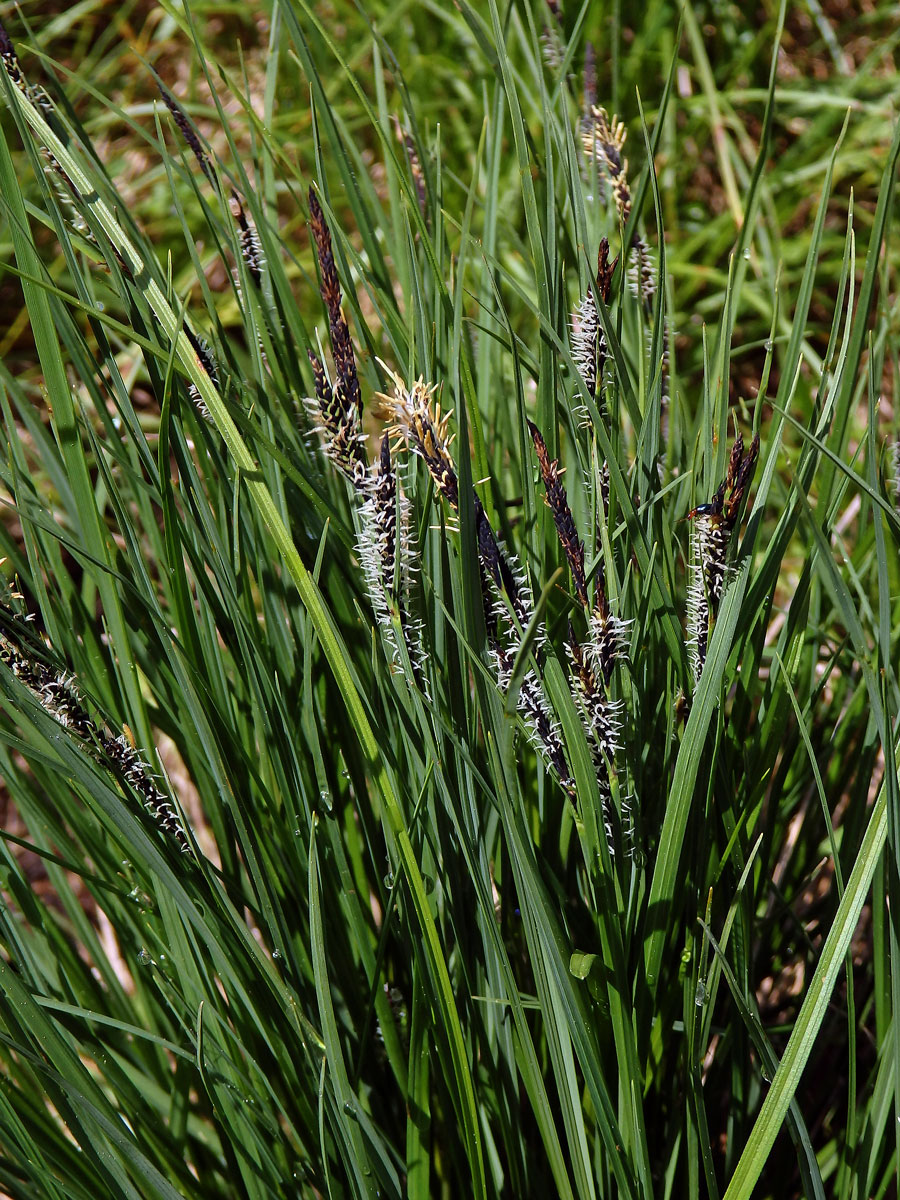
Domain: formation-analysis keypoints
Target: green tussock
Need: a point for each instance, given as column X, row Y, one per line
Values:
column 449, row 710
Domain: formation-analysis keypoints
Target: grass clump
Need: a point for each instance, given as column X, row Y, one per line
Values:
column 448, row 657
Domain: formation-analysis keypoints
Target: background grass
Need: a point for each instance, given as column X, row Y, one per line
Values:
column 398, row 959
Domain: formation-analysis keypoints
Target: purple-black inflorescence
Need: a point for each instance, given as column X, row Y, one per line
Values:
column 713, row 524
column 58, row 695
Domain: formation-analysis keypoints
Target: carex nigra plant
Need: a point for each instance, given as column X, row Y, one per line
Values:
column 447, row 652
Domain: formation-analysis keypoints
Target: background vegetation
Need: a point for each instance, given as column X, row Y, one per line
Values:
column 284, row 915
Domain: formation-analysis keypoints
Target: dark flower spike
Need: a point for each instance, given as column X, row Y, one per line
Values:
column 340, row 403
column 602, row 716
column 491, row 617
column 339, row 426
column 58, row 695
column 605, row 270
column 137, row 774
column 330, row 285
column 33, row 92
column 187, row 132
column 737, row 485
column 10, row 61
column 558, row 503
column 551, row 42
column 533, row 704
column 603, row 140
column 535, row 712
column 735, row 459
column 590, row 83
column 418, row 421
column 713, row 524
column 248, row 238
column 386, row 552
column 416, row 418
column 341, row 345
column 698, row 609
column 320, row 380
column 69, row 198
column 251, row 247
column 608, row 642
column 642, row 273
column 587, row 339
column 384, row 496
column 415, row 165
column 208, row 363
column 726, row 502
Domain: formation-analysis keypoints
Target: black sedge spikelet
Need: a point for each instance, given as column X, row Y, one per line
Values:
column 208, row 364
column 188, row 132
column 10, row 61
column 713, row 524
column 608, row 640
column 707, row 560
column 324, row 395
column 68, row 196
column 329, row 285
column 341, row 345
column 64, row 189
column 502, row 571
column 535, row 712
column 642, row 273
column 32, row 92
column 58, row 695
column 415, row 165
column 551, row 36
column 545, row 732
column 248, row 238
column 603, row 141
column 384, row 500
column 131, row 767
column 387, row 553
column 417, row 419
column 604, row 489
column 587, row 340
column 601, row 721
column 340, row 403
column 558, row 504
column 339, row 425
column 601, row 715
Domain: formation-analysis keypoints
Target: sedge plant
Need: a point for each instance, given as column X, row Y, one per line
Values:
column 449, row 718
